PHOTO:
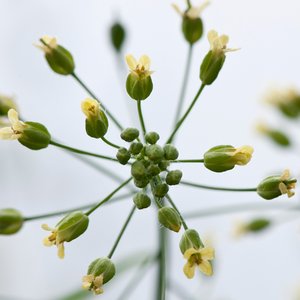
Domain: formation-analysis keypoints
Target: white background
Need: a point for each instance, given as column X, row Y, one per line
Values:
column 263, row 267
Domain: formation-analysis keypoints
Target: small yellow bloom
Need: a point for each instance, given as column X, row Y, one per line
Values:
column 242, row 155
column 200, row 258
column 219, row 43
column 93, row 283
column 47, row 44
column 194, row 12
column 277, row 96
column 139, row 68
column 90, row 107
column 16, row 129
column 286, row 188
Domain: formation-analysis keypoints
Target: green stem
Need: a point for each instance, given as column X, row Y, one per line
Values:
column 75, row 150
column 161, row 278
column 189, row 4
column 108, row 197
column 179, row 123
column 188, row 161
column 217, row 188
column 110, row 143
column 175, row 207
column 95, row 97
column 111, row 253
column 63, row 212
column 139, row 107
column 184, row 84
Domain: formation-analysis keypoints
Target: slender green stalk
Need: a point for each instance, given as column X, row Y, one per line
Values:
column 115, row 245
column 75, row 76
column 110, row 143
column 75, row 150
column 63, row 212
column 179, row 123
column 108, row 197
column 175, row 207
column 161, row 278
column 188, row 161
column 139, row 107
column 189, row 3
column 184, row 84
column 217, row 188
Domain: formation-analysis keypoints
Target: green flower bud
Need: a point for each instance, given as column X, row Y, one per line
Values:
column 192, row 29
column 155, row 153
column 100, row 271
column 6, row 103
column 160, row 190
column 225, row 157
column 275, row 186
column 59, row 59
column 11, row 221
column 152, row 137
column 135, row 148
column 117, row 35
column 123, row 156
column 129, row 134
column 279, row 137
column 138, row 170
column 190, row 239
column 153, row 170
column 141, row 200
column 173, row 177
column 141, row 183
column 163, row 165
column 171, row 153
column 257, row 225
column 169, row 218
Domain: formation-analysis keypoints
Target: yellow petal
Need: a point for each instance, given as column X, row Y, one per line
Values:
column 195, row 11
column 7, row 133
column 189, row 270
column 189, row 252
column 285, row 175
column 212, row 36
column 131, row 62
column 61, row 250
column 207, row 253
column 224, row 39
column 206, row 268
column 90, row 107
column 177, row 9
column 50, row 41
column 46, row 227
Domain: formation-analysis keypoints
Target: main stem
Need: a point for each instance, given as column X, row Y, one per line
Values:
column 179, row 123
column 161, row 279
column 108, row 197
column 115, row 121
column 139, row 107
column 121, row 232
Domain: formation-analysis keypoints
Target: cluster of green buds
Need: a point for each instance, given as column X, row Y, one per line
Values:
column 11, row 221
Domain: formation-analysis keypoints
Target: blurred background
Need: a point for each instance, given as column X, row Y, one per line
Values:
column 264, row 266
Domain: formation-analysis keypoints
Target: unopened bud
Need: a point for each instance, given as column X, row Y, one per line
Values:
column 11, row 221
column 141, row 200
column 169, row 218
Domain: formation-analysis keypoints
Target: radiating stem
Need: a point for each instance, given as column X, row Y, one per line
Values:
column 175, row 207
column 142, row 122
column 188, row 161
column 110, row 143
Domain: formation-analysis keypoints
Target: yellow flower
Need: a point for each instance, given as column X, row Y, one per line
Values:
column 277, row 96
column 286, row 188
column 219, row 43
column 48, row 43
column 139, row 68
column 16, row 129
column 242, row 155
column 200, row 258
column 53, row 240
column 94, row 283
column 90, row 107
column 194, row 12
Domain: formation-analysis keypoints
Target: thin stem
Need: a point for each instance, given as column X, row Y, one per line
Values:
column 184, row 84
column 75, row 150
column 63, row 212
column 110, row 143
column 121, row 232
column 217, row 188
column 139, row 107
column 175, row 207
column 161, row 279
column 188, row 161
column 95, row 97
column 179, row 123
column 189, row 4
column 108, row 197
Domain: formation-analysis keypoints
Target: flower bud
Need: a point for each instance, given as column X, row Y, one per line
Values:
column 275, row 186
column 192, row 29
column 173, row 177
column 254, row 226
column 117, row 35
column 155, row 153
column 169, row 218
column 123, row 156
column 160, row 190
column 6, row 103
column 129, row 134
column 11, row 221
column 190, row 239
column 141, row 183
column 59, row 59
column 225, row 157
column 153, row 170
column 100, row 271
column 138, row 170
column 171, row 153
column 135, row 148
column 163, row 165
column 151, row 137
column 141, row 200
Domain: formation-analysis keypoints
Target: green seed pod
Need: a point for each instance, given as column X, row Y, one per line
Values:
column 117, row 36
column 190, row 239
column 192, row 29
column 279, row 137
column 258, row 225
column 138, row 170
column 173, row 177
column 141, row 183
column 155, row 153
column 171, row 153
column 123, row 156
column 141, row 200
column 160, row 190
column 135, row 148
column 163, row 165
column 153, row 170
column 102, row 266
column 169, row 218
column 11, row 221
column 152, row 137
column 35, row 136
column 211, row 66
column 72, row 226
column 139, row 88
column 130, row 134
